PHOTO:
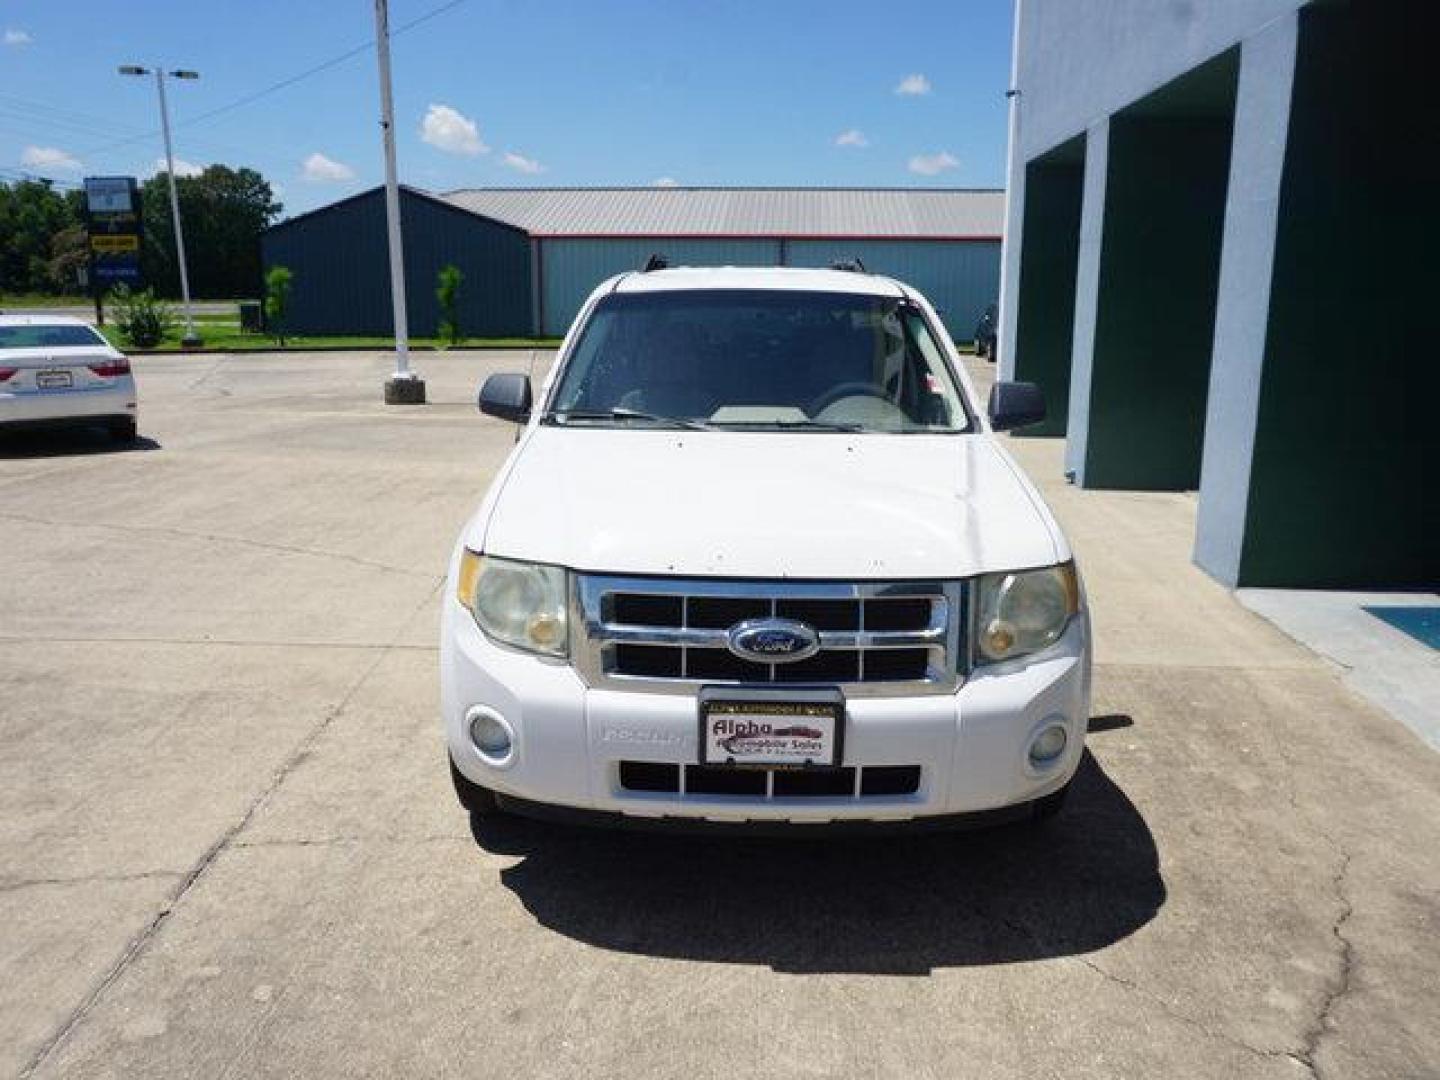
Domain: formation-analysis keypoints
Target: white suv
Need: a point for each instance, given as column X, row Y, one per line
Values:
column 757, row 557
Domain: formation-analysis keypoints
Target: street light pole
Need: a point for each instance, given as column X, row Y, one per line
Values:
column 190, row 339
column 404, row 387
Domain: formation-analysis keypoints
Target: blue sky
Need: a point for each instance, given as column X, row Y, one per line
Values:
column 518, row 92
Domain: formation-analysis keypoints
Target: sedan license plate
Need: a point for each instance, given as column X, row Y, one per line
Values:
column 771, row 729
column 54, row 380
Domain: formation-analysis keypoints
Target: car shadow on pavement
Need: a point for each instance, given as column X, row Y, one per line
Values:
column 897, row 905
column 68, row 442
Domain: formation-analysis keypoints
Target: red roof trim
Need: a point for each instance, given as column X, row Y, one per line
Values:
column 758, row 236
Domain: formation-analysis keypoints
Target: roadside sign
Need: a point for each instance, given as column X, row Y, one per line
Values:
column 113, row 221
column 110, row 194
column 115, row 244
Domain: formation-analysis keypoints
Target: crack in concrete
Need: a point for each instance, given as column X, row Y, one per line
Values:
column 1315, row 1033
column 263, row 545
column 141, row 941
column 17, row 884
column 1323, row 1024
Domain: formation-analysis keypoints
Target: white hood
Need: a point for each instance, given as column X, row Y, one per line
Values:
column 765, row 505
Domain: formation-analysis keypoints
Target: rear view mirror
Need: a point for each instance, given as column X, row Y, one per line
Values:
column 1015, row 404
column 506, row 397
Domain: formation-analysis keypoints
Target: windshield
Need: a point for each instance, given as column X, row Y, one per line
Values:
column 51, row 336
column 760, row 360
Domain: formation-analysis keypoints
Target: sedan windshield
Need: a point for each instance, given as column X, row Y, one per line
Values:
column 761, row 360
column 47, row 336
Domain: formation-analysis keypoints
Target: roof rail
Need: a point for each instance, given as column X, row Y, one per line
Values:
column 655, row 262
column 851, row 265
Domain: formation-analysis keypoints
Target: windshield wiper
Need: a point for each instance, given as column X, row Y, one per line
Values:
column 566, row 415
column 795, row 425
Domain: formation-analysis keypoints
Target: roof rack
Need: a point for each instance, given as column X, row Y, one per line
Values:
column 850, row 266
column 655, row 262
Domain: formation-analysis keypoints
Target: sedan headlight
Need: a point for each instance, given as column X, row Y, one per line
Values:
column 1025, row 611
column 518, row 603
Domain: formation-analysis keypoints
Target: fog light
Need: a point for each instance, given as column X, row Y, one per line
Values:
column 490, row 733
column 1048, row 745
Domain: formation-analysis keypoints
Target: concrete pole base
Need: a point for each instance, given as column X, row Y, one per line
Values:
column 405, row 391
column 191, row 342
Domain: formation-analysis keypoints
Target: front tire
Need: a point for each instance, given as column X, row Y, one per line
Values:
column 477, row 800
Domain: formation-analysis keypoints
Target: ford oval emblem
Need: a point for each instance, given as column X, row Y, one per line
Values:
column 773, row 641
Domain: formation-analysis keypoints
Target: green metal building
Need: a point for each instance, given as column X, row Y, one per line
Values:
column 530, row 256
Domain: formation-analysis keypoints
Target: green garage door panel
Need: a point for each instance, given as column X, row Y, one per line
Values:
column 341, row 268
column 571, row 268
column 960, row 277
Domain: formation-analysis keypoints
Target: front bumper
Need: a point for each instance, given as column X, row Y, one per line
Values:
column 569, row 739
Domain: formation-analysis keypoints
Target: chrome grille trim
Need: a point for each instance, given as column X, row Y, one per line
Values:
column 595, row 634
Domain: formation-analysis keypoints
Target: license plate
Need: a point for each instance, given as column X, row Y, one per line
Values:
column 771, row 729
column 54, row 380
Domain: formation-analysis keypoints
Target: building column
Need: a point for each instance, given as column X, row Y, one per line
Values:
column 1242, row 308
column 1011, row 262
column 1087, row 295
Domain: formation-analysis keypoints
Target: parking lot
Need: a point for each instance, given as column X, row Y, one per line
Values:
column 228, row 846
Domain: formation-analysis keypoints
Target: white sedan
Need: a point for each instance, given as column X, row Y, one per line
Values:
column 57, row 370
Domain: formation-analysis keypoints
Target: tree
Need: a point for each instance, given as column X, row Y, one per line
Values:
column 69, row 254
column 447, row 291
column 32, row 213
column 223, row 210
column 277, row 300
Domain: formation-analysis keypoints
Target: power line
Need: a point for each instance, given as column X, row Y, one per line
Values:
column 256, row 95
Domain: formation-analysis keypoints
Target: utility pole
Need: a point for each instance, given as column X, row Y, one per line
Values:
column 1005, row 314
column 404, row 387
column 191, row 339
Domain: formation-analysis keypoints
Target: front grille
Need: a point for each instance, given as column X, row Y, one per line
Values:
column 871, row 781
column 876, row 638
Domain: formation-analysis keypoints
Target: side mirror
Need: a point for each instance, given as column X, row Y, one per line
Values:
column 507, row 397
column 1015, row 404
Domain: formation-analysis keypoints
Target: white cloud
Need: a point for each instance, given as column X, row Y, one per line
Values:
column 854, row 137
column 913, row 86
column 319, row 169
column 47, row 157
column 664, row 181
column 452, row 131
column 520, row 163
column 932, row 164
column 17, row 37
column 182, row 167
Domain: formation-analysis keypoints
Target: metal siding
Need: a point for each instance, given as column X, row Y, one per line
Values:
column 342, row 277
column 958, row 277
column 570, row 269
column 495, row 261
column 739, row 212
column 337, row 256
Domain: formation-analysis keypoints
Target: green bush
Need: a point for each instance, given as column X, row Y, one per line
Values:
column 448, row 293
column 278, row 280
column 142, row 320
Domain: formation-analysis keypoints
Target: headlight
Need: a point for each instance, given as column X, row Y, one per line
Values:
column 1024, row 611
column 517, row 603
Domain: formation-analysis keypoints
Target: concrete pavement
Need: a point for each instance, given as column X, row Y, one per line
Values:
column 228, row 847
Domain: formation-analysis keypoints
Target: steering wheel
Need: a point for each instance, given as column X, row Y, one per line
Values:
column 845, row 390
